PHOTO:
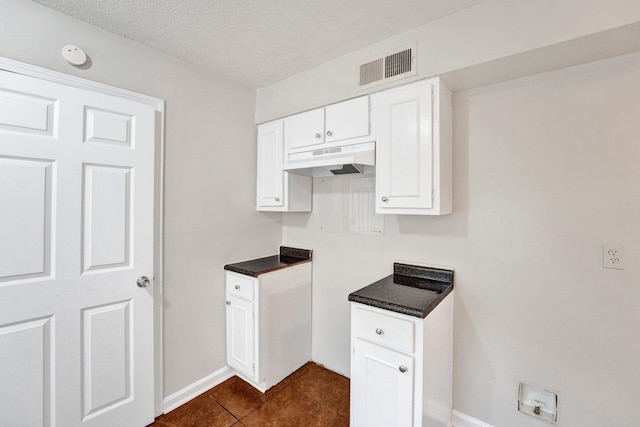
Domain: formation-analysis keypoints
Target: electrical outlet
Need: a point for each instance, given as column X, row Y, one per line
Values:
column 613, row 256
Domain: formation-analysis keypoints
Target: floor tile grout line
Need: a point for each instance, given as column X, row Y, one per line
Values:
column 265, row 401
column 220, row 404
column 223, row 407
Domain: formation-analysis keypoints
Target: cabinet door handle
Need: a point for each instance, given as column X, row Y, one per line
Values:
column 318, row 136
column 402, row 369
column 384, row 198
column 379, row 331
column 228, row 302
column 237, row 287
column 277, row 199
column 329, row 133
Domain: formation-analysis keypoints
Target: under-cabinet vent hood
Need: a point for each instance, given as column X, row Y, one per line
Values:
column 341, row 160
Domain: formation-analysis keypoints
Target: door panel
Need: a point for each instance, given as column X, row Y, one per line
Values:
column 106, row 336
column 76, row 231
column 108, row 127
column 106, row 217
column 26, row 113
column 25, row 363
column 25, row 234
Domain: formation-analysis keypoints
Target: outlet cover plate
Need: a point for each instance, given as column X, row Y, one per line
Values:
column 613, row 256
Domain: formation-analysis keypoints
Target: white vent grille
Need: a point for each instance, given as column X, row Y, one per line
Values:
column 371, row 71
column 398, row 63
column 392, row 67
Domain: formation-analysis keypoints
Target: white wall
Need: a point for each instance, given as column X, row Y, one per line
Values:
column 491, row 30
column 546, row 170
column 210, row 216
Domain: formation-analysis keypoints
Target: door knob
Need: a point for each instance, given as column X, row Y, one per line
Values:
column 329, row 133
column 379, row 331
column 384, row 198
column 318, row 136
column 402, row 369
column 237, row 287
column 143, row 282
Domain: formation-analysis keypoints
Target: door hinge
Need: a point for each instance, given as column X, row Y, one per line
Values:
column 433, row 195
column 254, row 367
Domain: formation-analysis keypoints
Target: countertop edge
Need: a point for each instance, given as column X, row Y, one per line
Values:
column 385, row 305
column 232, row 268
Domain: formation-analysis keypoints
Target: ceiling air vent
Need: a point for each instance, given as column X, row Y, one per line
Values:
column 383, row 70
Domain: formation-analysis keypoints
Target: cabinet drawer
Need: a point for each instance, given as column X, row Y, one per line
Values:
column 240, row 286
column 383, row 329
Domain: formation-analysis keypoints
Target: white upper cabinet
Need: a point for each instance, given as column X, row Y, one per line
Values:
column 278, row 190
column 347, row 120
column 413, row 149
column 305, row 130
column 270, row 155
column 327, row 125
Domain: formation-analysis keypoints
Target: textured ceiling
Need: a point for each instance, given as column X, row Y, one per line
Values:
column 258, row 42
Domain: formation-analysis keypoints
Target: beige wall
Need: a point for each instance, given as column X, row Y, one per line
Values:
column 546, row 171
column 489, row 31
column 210, row 216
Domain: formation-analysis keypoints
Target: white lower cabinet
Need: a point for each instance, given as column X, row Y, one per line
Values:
column 401, row 367
column 240, row 335
column 385, row 398
column 268, row 324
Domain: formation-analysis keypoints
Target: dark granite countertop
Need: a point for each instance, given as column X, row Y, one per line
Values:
column 286, row 258
column 412, row 290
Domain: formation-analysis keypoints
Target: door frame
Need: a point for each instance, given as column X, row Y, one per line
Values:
column 158, row 208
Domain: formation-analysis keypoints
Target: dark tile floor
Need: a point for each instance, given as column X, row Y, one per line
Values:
column 311, row 397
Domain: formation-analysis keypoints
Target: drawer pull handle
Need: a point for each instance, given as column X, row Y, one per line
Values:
column 379, row 331
column 402, row 369
column 237, row 287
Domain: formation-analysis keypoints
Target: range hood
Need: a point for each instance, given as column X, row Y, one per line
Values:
column 339, row 160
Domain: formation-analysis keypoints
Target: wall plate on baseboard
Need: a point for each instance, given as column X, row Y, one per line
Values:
column 538, row 402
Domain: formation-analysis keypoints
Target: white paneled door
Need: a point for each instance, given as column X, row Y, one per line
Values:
column 76, row 232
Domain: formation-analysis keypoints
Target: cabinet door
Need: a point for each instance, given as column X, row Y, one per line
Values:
column 348, row 119
column 305, row 130
column 270, row 155
column 404, row 149
column 381, row 394
column 240, row 335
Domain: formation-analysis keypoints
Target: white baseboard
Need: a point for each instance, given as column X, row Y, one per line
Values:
column 459, row 419
column 189, row 392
